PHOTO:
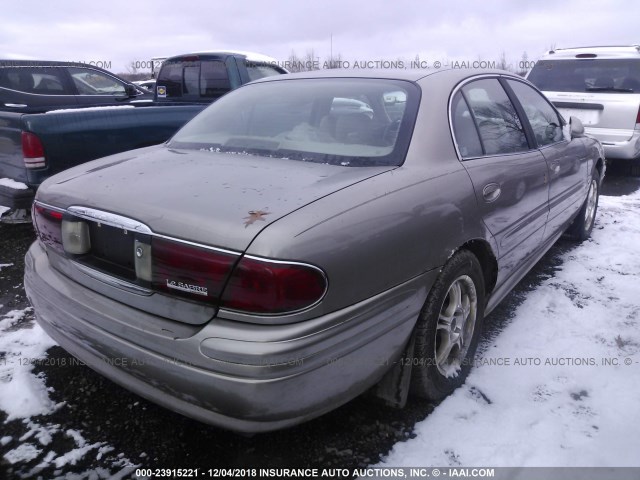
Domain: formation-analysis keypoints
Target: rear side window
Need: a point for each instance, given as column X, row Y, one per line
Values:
column 587, row 75
column 498, row 123
column 181, row 79
column 36, row 80
column 464, row 128
column 545, row 122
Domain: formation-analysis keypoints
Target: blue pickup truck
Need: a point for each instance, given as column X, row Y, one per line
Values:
column 93, row 118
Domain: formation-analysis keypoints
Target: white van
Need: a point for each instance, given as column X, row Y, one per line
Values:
column 600, row 86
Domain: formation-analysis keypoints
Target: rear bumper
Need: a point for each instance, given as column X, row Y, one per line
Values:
column 16, row 198
column 239, row 376
column 624, row 149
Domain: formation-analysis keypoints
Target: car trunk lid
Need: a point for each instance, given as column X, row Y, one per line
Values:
column 218, row 199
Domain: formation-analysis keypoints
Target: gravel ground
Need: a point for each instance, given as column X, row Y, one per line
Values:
column 143, row 434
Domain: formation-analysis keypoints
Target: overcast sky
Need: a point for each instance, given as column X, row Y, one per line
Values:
column 118, row 32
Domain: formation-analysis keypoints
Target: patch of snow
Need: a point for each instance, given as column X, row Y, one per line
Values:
column 8, row 182
column 559, row 386
column 14, row 316
column 90, row 109
column 4, row 265
column 22, row 453
column 102, row 450
column 3, row 209
column 44, row 434
column 5, row 440
column 23, row 394
column 72, row 456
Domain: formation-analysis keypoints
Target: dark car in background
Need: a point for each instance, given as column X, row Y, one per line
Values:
column 285, row 252
column 206, row 76
column 38, row 86
column 34, row 146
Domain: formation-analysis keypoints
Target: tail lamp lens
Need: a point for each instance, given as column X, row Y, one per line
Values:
column 189, row 271
column 32, row 151
column 267, row 287
column 253, row 285
column 48, row 223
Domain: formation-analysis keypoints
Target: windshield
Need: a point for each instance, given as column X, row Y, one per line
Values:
column 587, row 75
column 350, row 122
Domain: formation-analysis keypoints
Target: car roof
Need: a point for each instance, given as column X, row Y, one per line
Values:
column 447, row 74
column 609, row 51
column 251, row 56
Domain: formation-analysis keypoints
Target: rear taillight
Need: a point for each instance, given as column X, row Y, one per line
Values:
column 189, row 271
column 32, row 151
column 48, row 224
column 269, row 287
column 638, row 117
column 254, row 286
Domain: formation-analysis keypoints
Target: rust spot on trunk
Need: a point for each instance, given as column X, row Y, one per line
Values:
column 254, row 215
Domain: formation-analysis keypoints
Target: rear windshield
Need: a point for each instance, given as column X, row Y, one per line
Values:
column 350, row 122
column 587, row 75
column 192, row 80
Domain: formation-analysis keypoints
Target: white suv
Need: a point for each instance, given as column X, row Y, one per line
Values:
column 600, row 86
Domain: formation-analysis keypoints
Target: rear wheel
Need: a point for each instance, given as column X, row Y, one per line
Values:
column 448, row 329
column 582, row 226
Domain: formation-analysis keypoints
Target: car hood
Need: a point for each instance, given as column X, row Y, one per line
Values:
column 218, row 199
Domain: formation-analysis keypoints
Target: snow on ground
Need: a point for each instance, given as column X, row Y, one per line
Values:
column 24, row 395
column 560, row 385
column 3, row 209
column 7, row 182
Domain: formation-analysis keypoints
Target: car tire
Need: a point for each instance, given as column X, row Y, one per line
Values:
column 447, row 331
column 582, row 225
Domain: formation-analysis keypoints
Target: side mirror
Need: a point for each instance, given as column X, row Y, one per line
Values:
column 130, row 90
column 576, row 128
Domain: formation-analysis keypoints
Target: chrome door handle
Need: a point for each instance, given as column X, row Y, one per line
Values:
column 491, row 192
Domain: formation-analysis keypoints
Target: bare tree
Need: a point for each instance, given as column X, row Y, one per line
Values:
column 311, row 60
column 294, row 63
column 524, row 66
column 502, row 62
column 334, row 61
column 132, row 68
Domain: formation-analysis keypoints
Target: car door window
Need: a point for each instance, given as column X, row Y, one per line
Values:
column 498, row 123
column 464, row 128
column 92, row 82
column 43, row 81
column 545, row 122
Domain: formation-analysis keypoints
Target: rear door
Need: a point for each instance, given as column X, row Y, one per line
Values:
column 508, row 174
column 35, row 89
column 566, row 158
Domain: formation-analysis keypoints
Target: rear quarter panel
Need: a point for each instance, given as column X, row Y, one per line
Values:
column 390, row 228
